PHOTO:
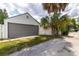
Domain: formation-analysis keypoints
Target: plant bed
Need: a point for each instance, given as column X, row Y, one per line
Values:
column 10, row 46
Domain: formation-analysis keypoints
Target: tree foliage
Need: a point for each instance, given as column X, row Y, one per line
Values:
column 3, row 15
column 57, row 23
column 54, row 7
column 45, row 22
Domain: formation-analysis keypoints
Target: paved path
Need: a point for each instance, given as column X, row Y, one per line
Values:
column 67, row 46
column 17, row 38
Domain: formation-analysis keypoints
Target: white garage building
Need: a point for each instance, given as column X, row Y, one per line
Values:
column 21, row 26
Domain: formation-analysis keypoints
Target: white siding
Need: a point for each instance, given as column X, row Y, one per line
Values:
column 2, row 30
column 5, row 30
column 43, row 31
column 22, row 19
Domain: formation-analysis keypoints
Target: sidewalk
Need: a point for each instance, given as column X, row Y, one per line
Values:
column 17, row 38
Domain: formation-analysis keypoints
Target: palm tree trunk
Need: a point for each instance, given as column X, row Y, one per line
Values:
column 53, row 31
column 57, row 31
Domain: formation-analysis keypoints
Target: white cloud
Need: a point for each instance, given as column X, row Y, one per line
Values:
column 35, row 9
column 14, row 9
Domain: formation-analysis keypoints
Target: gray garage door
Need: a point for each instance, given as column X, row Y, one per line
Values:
column 21, row 30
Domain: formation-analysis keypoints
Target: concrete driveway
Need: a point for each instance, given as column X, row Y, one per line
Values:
column 67, row 46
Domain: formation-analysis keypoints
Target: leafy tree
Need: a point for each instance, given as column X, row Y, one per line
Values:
column 77, row 26
column 74, row 24
column 45, row 22
column 58, row 23
column 55, row 23
column 56, row 8
column 65, row 23
column 3, row 15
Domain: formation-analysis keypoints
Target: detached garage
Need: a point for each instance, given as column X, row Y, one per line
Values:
column 20, row 26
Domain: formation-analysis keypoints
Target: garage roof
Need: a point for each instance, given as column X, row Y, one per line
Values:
column 12, row 19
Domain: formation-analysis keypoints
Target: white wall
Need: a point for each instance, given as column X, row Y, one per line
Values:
column 21, row 19
column 44, row 31
column 2, row 30
column 5, row 30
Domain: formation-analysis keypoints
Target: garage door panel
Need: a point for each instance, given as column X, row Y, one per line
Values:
column 21, row 30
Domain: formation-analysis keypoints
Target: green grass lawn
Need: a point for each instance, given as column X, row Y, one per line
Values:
column 11, row 46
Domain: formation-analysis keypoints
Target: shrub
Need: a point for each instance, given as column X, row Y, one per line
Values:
column 65, row 31
column 11, row 46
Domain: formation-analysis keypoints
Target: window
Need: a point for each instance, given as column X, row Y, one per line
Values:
column 27, row 16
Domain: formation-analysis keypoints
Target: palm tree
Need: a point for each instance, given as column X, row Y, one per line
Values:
column 3, row 15
column 45, row 22
column 65, row 23
column 55, row 23
column 56, row 8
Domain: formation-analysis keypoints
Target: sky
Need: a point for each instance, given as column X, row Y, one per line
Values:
column 36, row 9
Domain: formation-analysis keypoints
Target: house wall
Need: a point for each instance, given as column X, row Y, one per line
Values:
column 43, row 31
column 5, row 30
column 1, row 31
column 21, row 19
